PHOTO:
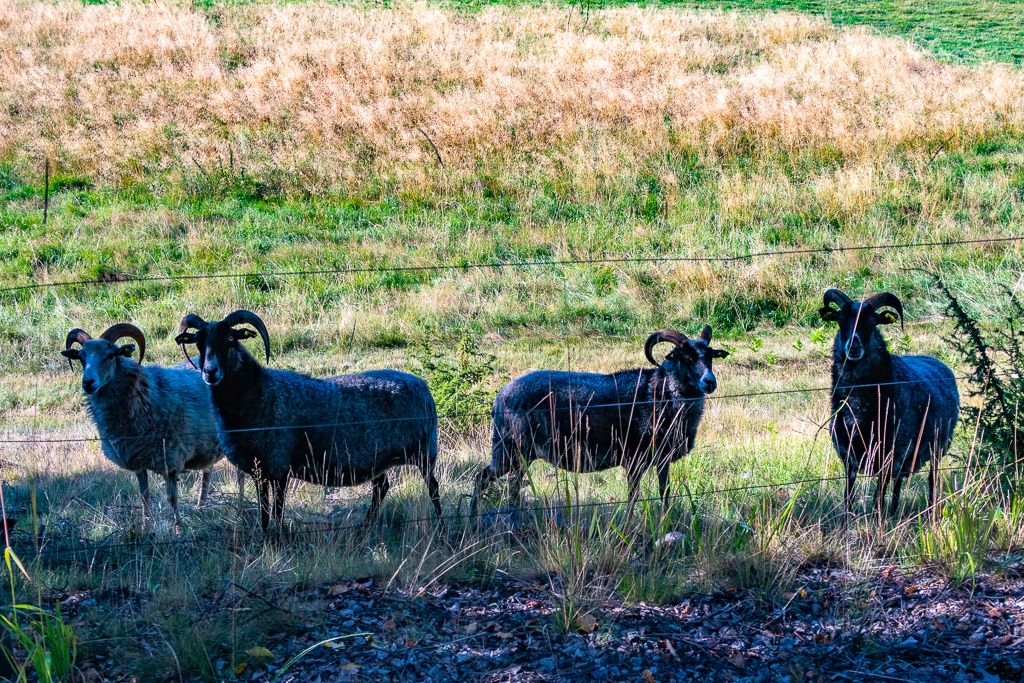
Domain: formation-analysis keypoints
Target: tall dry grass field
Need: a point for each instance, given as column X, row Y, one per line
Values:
column 329, row 97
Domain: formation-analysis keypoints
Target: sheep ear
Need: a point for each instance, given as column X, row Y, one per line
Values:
column 719, row 353
column 185, row 338
column 829, row 314
column 885, row 318
column 127, row 350
column 244, row 333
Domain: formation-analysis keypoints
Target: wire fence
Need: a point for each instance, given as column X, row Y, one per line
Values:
column 543, row 408
column 492, row 265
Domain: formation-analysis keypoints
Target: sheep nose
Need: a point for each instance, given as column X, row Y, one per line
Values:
column 89, row 385
column 854, row 348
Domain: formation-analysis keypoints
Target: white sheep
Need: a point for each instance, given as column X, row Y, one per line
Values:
column 150, row 419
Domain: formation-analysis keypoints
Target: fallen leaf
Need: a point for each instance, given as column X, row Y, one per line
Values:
column 240, row 668
column 471, row 627
column 350, row 667
column 389, row 625
column 339, row 589
column 587, row 623
column 260, row 652
column 738, row 661
column 504, row 635
column 334, row 645
column 910, row 590
column 647, row 676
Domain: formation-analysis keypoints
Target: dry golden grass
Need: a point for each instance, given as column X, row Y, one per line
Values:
column 325, row 93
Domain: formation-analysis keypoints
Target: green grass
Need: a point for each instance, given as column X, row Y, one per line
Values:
column 971, row 31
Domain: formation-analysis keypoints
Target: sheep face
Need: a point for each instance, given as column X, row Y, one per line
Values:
column 691, row 364
column 100, row 357
column 858, row 321
column 691, row 361
column 99, row 362
column 220, row 343
column 220, row 351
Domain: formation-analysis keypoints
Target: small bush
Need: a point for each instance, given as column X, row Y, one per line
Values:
column 459, row 380
column 994, row 357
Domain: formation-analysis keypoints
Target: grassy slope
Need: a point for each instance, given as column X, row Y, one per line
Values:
column 762, row 194
column 971, row 31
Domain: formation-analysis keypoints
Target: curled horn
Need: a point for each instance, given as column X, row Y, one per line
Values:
column 677, row 338
column 115, row 332
column 242, row 316
column 76, row 335
column 189, row 322
column 886, row 300
column 834, row 296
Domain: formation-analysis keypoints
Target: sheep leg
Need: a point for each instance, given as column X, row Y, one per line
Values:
column 851, row 481
column 147, row 504
column 484, row 478
column 264, row 499
column 241, row 490
column 432, row 490
column 172, row 495
column 633, row 481
column 380, row 489
column 515, row 486
column 280, row 486
column 663, row 472
column 894, row 504
column 204, row 487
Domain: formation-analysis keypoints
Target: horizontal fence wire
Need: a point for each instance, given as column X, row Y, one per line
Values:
column 445, row 519
column 492, row 413
column 490, row 265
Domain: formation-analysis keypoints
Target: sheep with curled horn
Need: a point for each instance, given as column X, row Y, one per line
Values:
column 891, row 414
column 586, row 422
column 338, row 431
column 149, row 418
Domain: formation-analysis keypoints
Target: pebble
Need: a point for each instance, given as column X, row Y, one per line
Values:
column 672, row 538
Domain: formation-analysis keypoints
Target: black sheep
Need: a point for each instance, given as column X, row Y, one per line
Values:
column 584, row 422
column 891, row 414
column 339, row 431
